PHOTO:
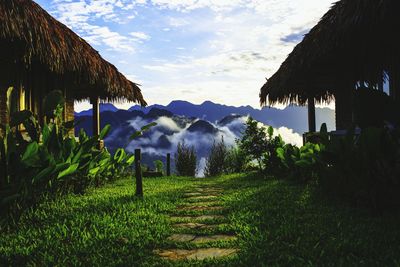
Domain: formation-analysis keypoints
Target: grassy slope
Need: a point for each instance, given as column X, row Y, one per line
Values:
column 278, row 224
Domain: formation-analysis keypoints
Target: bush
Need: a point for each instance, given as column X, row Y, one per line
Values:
column 51, row 162
column 237, row 161
column 365, row 168
column 159, row 166
column 216, row 162
column 185, row 160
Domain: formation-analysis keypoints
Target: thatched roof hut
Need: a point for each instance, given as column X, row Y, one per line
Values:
column 40, row 54
column 34, row 43
column 354, row 42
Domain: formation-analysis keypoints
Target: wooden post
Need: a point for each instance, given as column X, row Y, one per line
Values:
column 394, row 85
column 312, row 128
column 138, row 171
column 168, row 164
column 96, row 115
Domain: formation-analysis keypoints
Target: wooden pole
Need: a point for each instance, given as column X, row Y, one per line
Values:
column 96, row 115
column 393, row 85
column 138, row 171
column 312, row 128
column 168, row 164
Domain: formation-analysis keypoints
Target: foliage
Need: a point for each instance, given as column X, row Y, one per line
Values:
column 365, row 168
column 236, row 160
column 253, row 142
column 159, row 165
column 185, row 160
column 302, row 164
column 216, row 162
column 48, row 162
column 278, row 223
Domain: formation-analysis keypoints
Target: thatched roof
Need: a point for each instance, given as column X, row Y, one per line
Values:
column 357, row 40
column 38, row 50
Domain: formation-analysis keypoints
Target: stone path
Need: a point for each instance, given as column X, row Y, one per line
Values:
column 199, row 228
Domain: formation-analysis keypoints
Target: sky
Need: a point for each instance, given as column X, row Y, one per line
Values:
column 193, row 50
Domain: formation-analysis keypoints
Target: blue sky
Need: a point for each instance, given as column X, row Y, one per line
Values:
column 194, row 50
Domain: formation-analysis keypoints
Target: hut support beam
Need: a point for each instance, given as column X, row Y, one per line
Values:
column 96, row 115
column 312, row 128
column 394, row 88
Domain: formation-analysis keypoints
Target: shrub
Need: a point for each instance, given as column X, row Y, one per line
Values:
column 236, row 161
column 51, row 162
column 365, row 168
column 185, row 160
column 216, row 162
column 159, row 165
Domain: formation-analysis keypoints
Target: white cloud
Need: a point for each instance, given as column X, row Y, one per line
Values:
column 231, row 46
column 81, row 16
column 140, row 36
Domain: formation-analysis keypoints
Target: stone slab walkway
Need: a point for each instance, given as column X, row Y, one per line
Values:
column 201, row 200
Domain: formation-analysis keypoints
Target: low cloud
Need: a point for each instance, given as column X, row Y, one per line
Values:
column 164, row 137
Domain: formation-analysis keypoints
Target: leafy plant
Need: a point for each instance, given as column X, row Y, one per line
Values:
column 159, row 165
column 50, row 162
column 365, row 168
column 185, row 160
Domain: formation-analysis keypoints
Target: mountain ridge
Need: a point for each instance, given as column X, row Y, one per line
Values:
column 293, row 117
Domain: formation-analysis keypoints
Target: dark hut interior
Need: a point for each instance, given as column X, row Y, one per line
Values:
column 352, row 46
column 38, row 54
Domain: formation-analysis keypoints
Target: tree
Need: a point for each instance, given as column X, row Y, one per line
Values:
column 185, row 160
column 216, row 163
column 254, row 142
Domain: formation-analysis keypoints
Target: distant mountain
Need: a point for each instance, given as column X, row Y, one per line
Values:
column 103, row 107
column 293, row 117
column 204, row 127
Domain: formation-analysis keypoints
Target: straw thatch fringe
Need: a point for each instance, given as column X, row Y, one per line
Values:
column 356, row 41
column 33, row 43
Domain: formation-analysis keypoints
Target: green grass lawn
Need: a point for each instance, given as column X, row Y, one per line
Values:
column 278, row 223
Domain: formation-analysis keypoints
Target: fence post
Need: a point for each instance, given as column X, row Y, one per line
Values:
column 168, row 164
column 138, row 171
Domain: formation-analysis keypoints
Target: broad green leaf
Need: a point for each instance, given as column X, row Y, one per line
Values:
column 130, row 160
column 46, row 173
column 70, row 170
column 104, row 132
column 31, row 155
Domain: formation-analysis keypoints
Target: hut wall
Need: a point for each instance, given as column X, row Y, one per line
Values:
column 3, row 107
column 69, row 113
column 344, row 108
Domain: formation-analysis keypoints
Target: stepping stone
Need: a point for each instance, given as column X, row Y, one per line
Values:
column 198, row 218
column 195, row 194
column 210, row 197
column 195, row 226
column 196, row 254
column 208, row 189
column 199, row 208
column 201, row 204
column 182, row 238
column 195, row 239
